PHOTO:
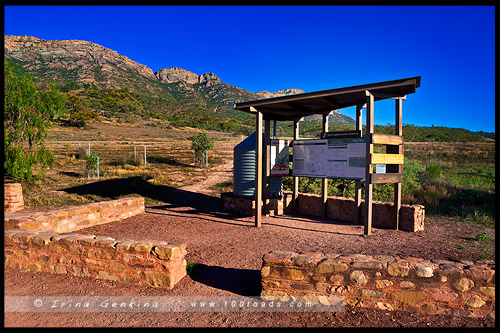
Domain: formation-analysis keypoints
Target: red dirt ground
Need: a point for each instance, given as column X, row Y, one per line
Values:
column 229, row 251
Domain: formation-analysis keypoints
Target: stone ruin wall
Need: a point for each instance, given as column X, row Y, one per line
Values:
column 383, row 282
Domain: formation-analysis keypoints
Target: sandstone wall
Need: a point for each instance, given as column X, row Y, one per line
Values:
column 13, row 197
column 246, row 205
column 151, row 263
column 73, row 218
column 411, row 217
column 384, row 282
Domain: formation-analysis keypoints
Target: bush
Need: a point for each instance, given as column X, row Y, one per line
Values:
column 434, row 171
column 201, row 143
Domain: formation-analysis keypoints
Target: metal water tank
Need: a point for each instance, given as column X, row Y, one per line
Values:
column 244, row 170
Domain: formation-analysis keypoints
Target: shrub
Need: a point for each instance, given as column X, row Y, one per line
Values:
column 434, row 171
column 201, row 143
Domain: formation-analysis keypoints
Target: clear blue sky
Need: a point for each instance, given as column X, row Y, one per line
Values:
column 308, row 47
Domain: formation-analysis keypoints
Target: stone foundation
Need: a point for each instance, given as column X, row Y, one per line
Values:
column 411, row 217
column 73, row 218
column 150, row 263
column 246, row 205
column 383, row 282
column 13, row 197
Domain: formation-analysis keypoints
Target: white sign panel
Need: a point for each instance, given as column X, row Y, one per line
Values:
column 309, row 158
column 280, row 158
column 330, row 158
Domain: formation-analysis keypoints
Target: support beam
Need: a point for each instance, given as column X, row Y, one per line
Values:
column 397, row 186
column 369, row 167
column 295, row 179
column 324, row 181
column 266, row 159
column 357, row 183
column 258, row 176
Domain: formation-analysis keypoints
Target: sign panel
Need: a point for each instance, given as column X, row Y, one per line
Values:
column 346, row 158
column 341, row 135
column 309, row 158
column 280, row 158
column 330, row 158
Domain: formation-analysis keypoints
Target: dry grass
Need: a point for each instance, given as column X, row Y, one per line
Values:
column 169, row 159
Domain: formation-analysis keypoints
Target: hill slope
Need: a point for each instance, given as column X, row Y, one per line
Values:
column 173, row 94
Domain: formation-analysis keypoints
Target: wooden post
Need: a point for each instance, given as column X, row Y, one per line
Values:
column 357, row 183
column 295, row 179
column 369, row 166
column 144, row 155
column 324, row 181
column 397, row 186
column 258, row 176
column 266, row 159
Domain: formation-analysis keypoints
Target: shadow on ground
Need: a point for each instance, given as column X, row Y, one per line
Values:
column 244, row 282
column 120, row 187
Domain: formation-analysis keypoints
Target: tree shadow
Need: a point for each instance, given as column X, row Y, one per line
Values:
column 167, row 160
column 119, row 187
column 70, row 174
column 244, row 282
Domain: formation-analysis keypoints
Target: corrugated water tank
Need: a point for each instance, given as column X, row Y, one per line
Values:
column 244, row 170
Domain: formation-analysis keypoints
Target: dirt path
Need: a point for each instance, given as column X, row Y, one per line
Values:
column 223, row 172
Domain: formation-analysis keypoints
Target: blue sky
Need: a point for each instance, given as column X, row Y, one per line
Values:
column 308, row 47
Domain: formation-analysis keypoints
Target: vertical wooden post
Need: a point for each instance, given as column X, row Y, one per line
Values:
column 369, row 166
column 397, row 186
column 357, row 183
column 258, row 169
column 295, row 179
column 266, row 159
column 324, row 181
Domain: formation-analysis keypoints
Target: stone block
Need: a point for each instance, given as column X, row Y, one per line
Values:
column 408, row 297
column 330, row 266
column 475, row 301
column 481, row 273
column 488, row 291
column 167, row 252
column 159, row 280
column 293, row 274
column 398, row 268
column 424, row 269
column 463, row 284
column 358, row 278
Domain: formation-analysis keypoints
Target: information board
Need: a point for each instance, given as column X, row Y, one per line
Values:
column 330, row 158
column 280, row 158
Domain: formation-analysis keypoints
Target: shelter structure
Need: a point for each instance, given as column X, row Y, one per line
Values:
column 295, row 107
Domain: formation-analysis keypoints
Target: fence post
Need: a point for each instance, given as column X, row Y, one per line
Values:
column 97, row 167
column 89, row 147
column 144, row 155
column 135, row 155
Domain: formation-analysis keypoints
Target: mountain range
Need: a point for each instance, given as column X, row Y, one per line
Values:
column 173, row 94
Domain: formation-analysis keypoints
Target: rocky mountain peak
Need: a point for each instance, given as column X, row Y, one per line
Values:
column 285, row 92
column 176, row 74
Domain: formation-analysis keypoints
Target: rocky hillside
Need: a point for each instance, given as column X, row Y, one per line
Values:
column 172, row 94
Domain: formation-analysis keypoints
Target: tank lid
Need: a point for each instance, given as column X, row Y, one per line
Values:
column 249, row 142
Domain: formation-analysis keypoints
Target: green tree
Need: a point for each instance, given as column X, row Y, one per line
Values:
column 79, row 111
column 201, row 144
column 28, row 115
